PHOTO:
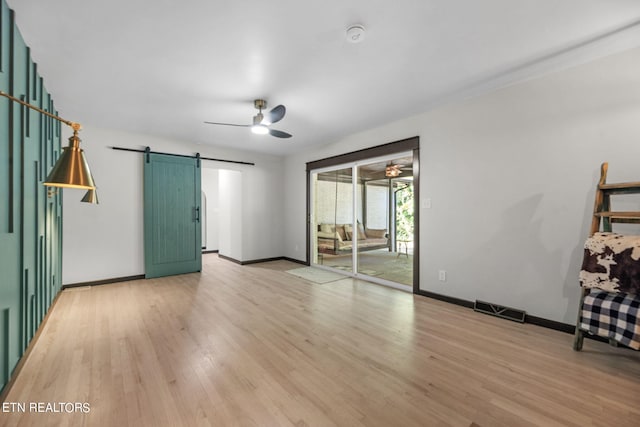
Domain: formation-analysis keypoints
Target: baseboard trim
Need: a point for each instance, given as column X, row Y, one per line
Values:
column 297, row 261
column 445, row 298
column 105, row 281
column 212, row 251
column 227, row 258
column 534, row 320
column 259, row 261
column 550, row 324
column 27, row 352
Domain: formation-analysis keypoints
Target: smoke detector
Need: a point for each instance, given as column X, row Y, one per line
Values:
column 355, row 34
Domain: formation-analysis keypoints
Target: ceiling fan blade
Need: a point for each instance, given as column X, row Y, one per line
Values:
column 227, row 124
column 279, row 133
column 275, row 115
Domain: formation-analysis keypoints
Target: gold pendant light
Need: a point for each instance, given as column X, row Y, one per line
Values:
column 71, row 169
column 91, row 197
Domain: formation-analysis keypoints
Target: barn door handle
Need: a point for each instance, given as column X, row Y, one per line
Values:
column 198, row 214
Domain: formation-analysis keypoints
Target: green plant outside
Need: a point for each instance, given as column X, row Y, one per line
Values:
column 404, row 213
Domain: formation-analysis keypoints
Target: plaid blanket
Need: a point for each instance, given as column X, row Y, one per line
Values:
column 612, row 315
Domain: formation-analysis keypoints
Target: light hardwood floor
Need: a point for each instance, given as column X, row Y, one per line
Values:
column 256, row 346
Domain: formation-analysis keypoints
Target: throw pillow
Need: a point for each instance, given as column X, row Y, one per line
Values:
column 327, row 228
column 348, row 231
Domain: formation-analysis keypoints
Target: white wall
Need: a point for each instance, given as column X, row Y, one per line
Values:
column 231, row 213
column 377, row 207
column 333, row 202
column 511, row 175
column 212, row 214
column 106, row 241
column 262, row 212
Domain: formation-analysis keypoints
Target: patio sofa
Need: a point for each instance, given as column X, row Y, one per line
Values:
column 338, row 238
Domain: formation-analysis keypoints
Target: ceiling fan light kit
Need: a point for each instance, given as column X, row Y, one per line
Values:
column 259, row 129
column 261, row 122
column 392, row 171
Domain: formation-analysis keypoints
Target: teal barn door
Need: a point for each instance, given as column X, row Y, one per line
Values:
column 172, row 228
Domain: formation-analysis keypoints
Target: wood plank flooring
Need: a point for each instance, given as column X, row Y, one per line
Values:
column 256, row 346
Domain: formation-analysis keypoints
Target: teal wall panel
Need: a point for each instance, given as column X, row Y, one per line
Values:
column 8, row 239
column 30, row 220
column 18, row 87
column 4, row 345
column 11, row 295
column 6, row 201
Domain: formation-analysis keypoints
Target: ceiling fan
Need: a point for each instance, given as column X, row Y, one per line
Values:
column 261, row 122
column 394, row 170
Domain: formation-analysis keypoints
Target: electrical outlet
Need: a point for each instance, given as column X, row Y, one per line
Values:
column 442, row 275
column 426, row 203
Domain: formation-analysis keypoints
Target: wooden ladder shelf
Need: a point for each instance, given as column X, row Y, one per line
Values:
column 602, row 205
column 602, row 214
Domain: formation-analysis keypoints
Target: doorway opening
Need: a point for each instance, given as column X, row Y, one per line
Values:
column 222, row 212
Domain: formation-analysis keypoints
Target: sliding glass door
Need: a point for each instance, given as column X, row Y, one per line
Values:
column 362, row 219
column 333, row 218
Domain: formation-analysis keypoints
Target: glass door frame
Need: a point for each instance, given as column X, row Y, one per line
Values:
column 312, row 247
column 312, row 226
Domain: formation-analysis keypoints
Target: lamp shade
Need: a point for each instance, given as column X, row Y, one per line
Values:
column 71, row 170
column 91, row 197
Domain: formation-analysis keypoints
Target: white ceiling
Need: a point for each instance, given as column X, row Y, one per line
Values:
column 163, row 67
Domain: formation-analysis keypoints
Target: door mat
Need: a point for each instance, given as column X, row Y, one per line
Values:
column 316, row 275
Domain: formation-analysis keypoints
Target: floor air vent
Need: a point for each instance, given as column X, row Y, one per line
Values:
column 500, row 311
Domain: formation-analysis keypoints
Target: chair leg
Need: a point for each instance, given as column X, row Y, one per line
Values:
column 578, row 340
column 579, row 334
